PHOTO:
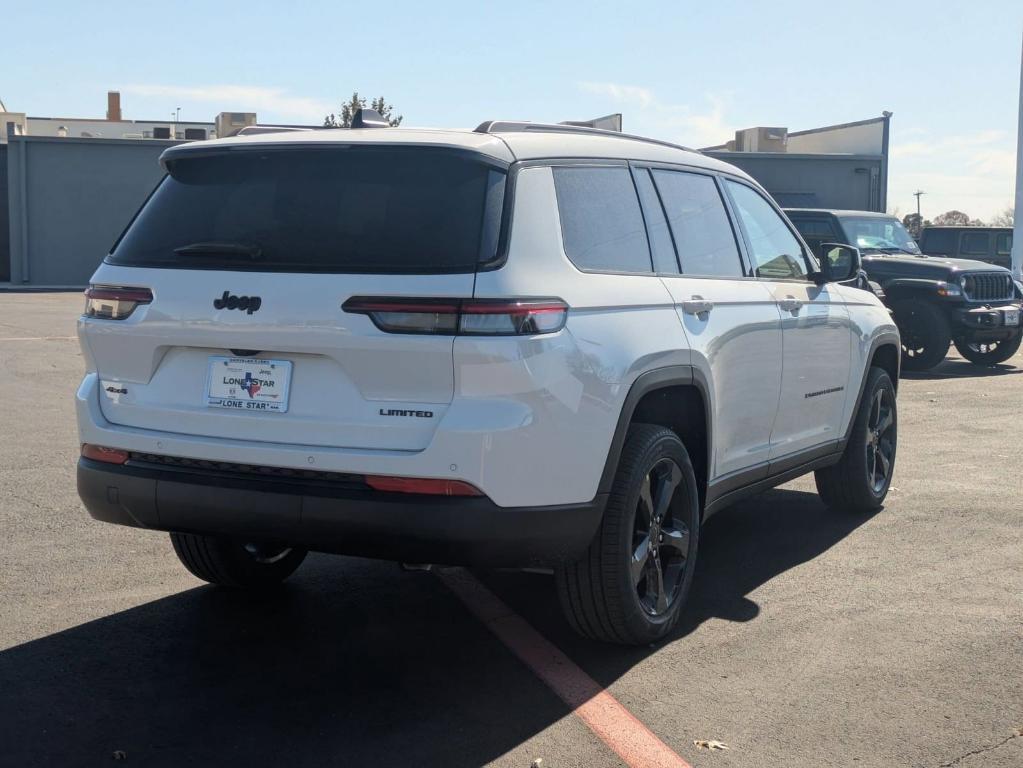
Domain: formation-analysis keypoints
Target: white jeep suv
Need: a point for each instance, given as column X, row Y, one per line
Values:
column 522, row 345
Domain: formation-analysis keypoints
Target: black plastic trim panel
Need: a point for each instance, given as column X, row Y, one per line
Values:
column 312, row 515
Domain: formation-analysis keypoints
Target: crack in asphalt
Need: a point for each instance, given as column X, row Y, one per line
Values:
column 1015, row 735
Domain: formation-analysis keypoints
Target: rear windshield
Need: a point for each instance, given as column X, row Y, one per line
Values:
column 320, row 210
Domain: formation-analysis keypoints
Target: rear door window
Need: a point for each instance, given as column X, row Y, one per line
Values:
column 601, row 222
column 974, row 243
column 406, row 210
column 661, row 245
column 775, row 251
column 703, row 235
column 1003, row 244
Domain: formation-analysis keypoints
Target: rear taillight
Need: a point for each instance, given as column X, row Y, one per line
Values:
column 108, row 302
column 106, row 455
column 470, row 317
column 429, row 486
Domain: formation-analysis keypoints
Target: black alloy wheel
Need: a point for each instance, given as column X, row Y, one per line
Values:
column 880, row 446
column 660, row 540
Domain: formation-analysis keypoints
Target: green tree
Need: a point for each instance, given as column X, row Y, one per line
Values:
column 343, row 118
column 914, row 224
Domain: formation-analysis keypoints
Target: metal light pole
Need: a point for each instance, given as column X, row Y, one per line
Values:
column 917, row 196
column 1017, row 236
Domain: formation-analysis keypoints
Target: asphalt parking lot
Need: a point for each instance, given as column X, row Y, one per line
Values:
column 813, row 639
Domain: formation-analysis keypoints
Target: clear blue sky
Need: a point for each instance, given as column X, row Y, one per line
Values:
column 687, row 71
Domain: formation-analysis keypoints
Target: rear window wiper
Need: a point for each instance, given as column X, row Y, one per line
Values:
column 221, row 248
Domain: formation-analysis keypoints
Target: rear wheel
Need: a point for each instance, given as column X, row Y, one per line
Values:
column 232, row 563
column 859, row 482
column 989, row 352
column 631, row 585
column 925, row 334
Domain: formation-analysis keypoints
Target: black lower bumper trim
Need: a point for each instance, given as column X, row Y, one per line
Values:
column 391, row 526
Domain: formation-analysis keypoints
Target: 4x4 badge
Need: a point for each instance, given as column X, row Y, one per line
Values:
column 248, row 303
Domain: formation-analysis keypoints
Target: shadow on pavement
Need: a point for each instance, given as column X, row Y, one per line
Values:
column 741, row 548
column 353, row 663
column 960, row 369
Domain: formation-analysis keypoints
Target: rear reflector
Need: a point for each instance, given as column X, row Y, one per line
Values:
column 106, row 455
column 470, row 317
column 428, row 486
column 108, row 302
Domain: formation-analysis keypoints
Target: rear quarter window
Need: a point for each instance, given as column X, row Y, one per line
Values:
column 366, row 209
column 601, row 222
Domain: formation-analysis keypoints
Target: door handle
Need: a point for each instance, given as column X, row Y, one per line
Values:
column 698, row 306
column 790, row 304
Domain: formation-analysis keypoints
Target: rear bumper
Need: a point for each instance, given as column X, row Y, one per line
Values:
column 392, row 526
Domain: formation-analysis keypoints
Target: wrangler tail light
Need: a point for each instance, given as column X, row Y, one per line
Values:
column 467, row 317
column 106, row 455
column 108, row 302
column 432, row 487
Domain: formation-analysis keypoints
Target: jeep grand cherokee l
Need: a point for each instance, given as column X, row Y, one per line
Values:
column 521, row 345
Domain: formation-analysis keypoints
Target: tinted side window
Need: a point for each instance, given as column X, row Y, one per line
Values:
column 941, row 241
column 816, row 232
column 656, row 225
column 974, row 243
column 775, row 251
column 1003, row 245
column 819, row 228
column 601, row 221
column 696, row 214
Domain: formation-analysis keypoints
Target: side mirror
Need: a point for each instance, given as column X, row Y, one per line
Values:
column 838, row 263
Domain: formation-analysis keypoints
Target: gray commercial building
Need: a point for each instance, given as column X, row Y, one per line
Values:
column 69, row 186
column 838, row 166
column 69, row 200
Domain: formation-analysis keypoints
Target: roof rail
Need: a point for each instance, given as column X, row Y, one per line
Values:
column 523, row 126
column 255, row 130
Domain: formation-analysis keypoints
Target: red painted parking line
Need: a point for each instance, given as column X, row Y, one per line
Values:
column 632, row 741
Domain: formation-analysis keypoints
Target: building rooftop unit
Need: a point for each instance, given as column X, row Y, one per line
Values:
column 115, row 126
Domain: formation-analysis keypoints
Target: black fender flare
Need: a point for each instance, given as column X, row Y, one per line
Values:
column 646, row 382
column 883, row 340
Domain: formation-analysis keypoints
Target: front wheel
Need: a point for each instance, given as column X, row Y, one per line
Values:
column 989, row 352
column 859, row 482
column 232, row 563
column 924, row 331
column 632, row 583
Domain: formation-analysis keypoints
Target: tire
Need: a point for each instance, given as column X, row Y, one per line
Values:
column 853, row 484
column 233, row 563
column 989, row 353
column 600, row 595
column 925, row 334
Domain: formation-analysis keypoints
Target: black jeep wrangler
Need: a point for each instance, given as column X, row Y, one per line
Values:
column 934, row 299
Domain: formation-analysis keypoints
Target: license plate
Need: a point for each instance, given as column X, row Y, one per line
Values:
column 1011, row 317
column 248, row 384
